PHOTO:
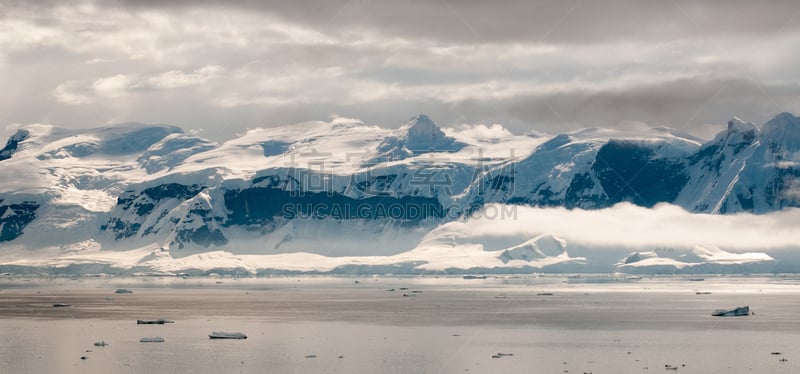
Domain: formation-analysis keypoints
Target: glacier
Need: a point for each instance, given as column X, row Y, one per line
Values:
column 345, row 196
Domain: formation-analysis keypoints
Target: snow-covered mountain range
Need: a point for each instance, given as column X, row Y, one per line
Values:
column 344, row 196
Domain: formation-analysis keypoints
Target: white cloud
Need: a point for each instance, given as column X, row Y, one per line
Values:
column 630, row 226
column 119, row 85
column 793, row 191
column 113, row 86
column 69, row 93
column 480, row 132
column 242, row 64
column 178, row 79
column 337, row 119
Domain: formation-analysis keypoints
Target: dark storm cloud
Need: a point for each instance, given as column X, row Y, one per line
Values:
column 555, row 21
column 687, row 104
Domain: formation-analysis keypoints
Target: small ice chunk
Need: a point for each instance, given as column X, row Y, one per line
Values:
column 156, row 339
column 226, row 335
column 159, row 321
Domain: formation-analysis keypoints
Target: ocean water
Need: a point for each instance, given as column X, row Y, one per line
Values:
column 553, row 324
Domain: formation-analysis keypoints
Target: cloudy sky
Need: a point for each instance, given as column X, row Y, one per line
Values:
column 224, row 66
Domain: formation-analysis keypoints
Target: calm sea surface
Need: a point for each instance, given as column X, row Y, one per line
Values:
column 551, row 324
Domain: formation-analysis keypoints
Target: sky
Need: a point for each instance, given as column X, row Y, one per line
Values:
column 220, row 67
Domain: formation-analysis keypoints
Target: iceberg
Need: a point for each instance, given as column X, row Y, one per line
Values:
column 160, row 321
column 156, row 339
column 735, row 312
column 474, row 277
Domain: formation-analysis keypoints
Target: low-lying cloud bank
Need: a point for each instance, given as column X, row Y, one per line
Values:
column 630, row 226
column 500, row 238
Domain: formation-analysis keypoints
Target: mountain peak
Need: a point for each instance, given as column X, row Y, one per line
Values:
column 422, row 119
column 738, row 136
column 785, row 116
column 783, row 120
column 422, row 133
column 13, row 143
column 417, row 135
column 736, row 125
column 420, row 124
column 783, row 129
